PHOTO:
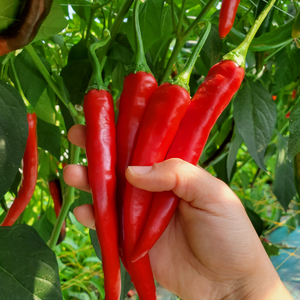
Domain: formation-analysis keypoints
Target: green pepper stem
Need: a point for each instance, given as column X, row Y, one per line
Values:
column 115, row 29
column 96, row 81
column 183, row 78
column 238, row 55
column 140, row 63
column 180, row 41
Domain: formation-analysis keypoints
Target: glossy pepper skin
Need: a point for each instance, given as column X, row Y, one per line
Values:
column 56, row 194
column 23, row 32
column 137, row 89
column 101, row 156
column 29, row 177
column 156, row 134
column 213, row 95
column 227, row 16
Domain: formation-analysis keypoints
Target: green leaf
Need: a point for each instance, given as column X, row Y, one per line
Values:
column 244, row 179
column 76, row 75
column 82, row 8
column 237, row 140
column 254, row 113
column 150, row 23
column 270, row 40
column 274, row 39
column 256, row 221
column 28, row 268
column 14, row 186
column 44, row 108
column 9, row 10
column 220, row 169
column 95, row 243
column 13, row 135
column 272, row 250
column 121, row 50
column 294, row 137
column 284, row 186
column 126, row 282
column 49, row 137
column 118, row 76
column 54, row 23
column 44, row 227
column 32, row 83
column 211, row 52
column 81, row 198
column 287, row 67
column 69, row 122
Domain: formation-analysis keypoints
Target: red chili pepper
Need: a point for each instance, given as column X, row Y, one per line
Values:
column 29, row 177
column 156, row 134
column 24, row 31
column 138, row 87
column 211, row 98
column 274, row 97
column 227, row 16
column 56, row 194
column 288, row 115
column 101, row 156
column 294, row 94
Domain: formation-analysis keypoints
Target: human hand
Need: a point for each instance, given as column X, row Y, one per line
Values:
column 210, row 248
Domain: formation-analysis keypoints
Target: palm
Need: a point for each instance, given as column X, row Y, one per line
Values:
column 216, row 254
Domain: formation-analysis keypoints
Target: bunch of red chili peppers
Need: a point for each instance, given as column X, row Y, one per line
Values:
column 145, row 135
column 129, row 220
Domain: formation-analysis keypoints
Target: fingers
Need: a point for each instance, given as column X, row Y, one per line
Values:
column 76, row 135
column 85, row 215
column 77, row 176
column 188, row 182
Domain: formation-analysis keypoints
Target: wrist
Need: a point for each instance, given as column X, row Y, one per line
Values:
column 261, row 284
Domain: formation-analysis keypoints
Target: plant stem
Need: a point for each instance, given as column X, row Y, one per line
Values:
column 68, row 198
column 115, row 28
column 96, row 81
column 139, row 56
column 43, row 70
column 181, row 39
column 183, row 78
column 173, row 16
column 175, row 7
column 238, row 55
column 179, row 28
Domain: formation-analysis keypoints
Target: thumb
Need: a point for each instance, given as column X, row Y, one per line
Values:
column 188, row 182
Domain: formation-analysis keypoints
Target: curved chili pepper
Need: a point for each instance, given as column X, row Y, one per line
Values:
column 156, row 134
column 227, row 16
column 29, row 177
column 139, row 85
column 101, row 156
column 296, row 27
column 23, row 32
column 56, row 194
column 211, row 98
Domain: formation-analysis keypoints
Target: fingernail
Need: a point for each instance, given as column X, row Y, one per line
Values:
column 139, row 170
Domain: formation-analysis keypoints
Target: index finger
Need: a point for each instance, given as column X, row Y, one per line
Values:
column 77, row 135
